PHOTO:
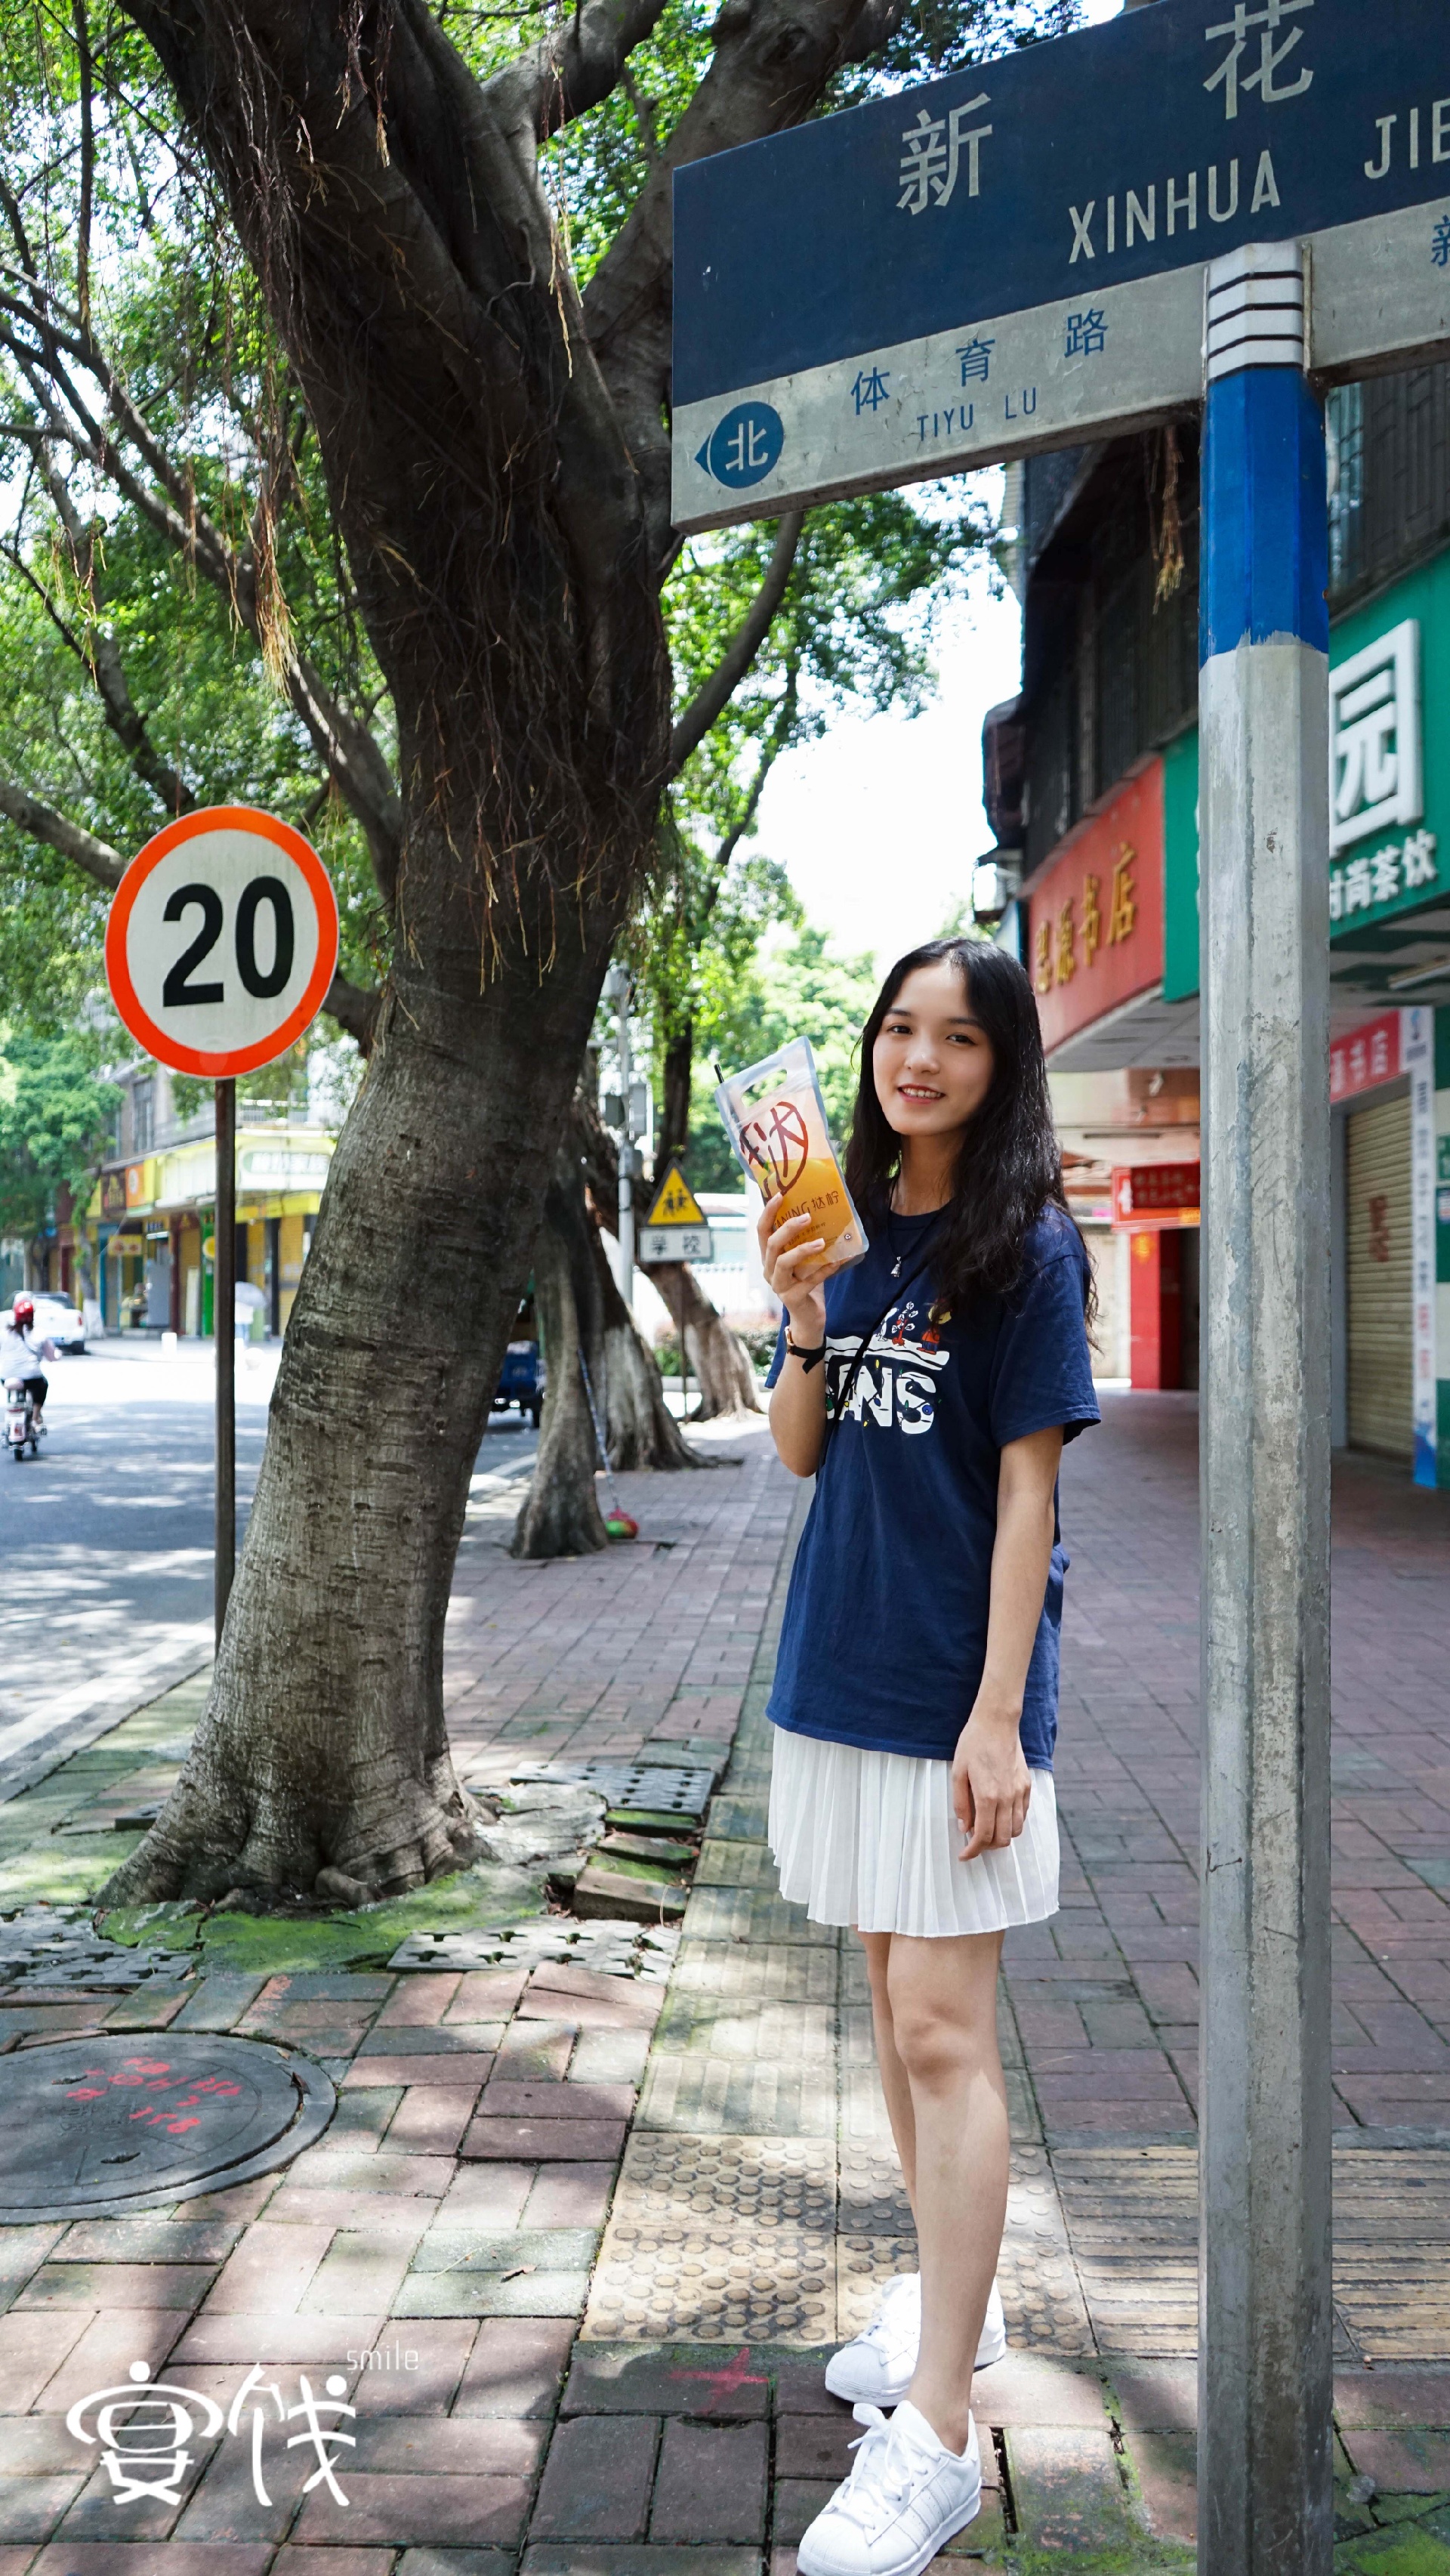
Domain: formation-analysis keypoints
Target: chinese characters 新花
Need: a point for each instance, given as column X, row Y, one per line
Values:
column 1274, row 51
column 931, row 161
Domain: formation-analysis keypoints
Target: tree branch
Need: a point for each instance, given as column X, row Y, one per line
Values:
column 772, row 60
column 574, row 69
column 100, row 655
column 349, row 750
column 97, row 857
column 770, row 751
column 711, row 700
column 85, row 66
column 354, row 1009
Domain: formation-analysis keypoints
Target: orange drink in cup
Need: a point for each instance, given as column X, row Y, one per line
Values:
column 776, row 1121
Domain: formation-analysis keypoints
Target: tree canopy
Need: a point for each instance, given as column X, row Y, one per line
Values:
column 55, row 1119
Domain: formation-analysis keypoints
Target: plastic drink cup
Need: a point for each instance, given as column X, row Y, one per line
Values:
column 776, row 1121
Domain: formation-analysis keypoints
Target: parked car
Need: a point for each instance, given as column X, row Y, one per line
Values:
column 56, row 1320
column 521, row 1381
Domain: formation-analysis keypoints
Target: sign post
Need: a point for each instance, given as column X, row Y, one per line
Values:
column 676, row 1229
column 1264, row 2464
column 224, row 1324
column 1011, row 259
column 220, row 946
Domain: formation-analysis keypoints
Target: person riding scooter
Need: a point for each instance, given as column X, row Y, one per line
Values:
column 20, row 1357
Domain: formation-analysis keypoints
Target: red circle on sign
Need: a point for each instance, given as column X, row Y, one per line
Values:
column 220, row 1063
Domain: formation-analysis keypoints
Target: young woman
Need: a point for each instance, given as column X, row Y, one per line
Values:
column 929, row 1390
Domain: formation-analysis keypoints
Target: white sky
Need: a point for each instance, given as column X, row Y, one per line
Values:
column 879, row 822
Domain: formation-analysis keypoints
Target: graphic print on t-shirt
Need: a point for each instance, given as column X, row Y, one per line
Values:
column 894, row 1387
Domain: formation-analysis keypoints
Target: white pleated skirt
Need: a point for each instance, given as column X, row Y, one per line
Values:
column 870, row 1840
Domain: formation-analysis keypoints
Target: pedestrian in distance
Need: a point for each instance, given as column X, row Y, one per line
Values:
column 929, row 1390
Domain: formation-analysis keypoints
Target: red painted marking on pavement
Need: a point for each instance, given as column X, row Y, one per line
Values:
column 735, row 2375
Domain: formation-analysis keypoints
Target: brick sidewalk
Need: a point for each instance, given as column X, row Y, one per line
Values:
column 598, row 2277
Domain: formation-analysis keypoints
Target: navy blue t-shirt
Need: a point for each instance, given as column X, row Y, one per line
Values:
column 885, row 1631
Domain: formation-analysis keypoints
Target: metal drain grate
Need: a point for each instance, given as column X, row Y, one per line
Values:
column 672, row 1789
column 45, row 1946
column 611, row 1949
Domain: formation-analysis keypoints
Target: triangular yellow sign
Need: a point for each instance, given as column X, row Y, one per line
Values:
column 675, row 1202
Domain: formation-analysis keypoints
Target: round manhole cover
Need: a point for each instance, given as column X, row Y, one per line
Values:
column 93, row 2127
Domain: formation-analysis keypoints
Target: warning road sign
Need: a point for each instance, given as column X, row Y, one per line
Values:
column 676, row 1228
column 221, row 941
column 675, row 1202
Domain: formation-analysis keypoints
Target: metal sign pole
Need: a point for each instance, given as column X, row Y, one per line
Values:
column 224, row 1316
column 1264, row 2460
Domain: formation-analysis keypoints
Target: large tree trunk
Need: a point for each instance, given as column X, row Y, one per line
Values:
column 322, row 1755
column 560, row 1514
column 718, row 1357
column 640, row 1429
column 580, row 1307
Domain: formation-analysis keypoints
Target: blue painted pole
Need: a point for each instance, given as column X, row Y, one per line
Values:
column 1264, row 2463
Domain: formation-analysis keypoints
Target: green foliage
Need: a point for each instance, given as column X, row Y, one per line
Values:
column 803, row 990
column 84, row 571
column 55, row 1118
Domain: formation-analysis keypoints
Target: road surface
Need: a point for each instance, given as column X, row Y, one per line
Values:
column 106, row 1539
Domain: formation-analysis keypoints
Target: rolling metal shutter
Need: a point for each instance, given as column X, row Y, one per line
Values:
column 1381, row 1359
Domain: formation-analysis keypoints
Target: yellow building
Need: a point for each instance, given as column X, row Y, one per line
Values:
column 151, row 1223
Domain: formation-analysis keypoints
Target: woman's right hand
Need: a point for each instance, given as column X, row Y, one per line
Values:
column 785, row 1251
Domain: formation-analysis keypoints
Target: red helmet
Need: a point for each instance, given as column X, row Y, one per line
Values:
column 24, row 1309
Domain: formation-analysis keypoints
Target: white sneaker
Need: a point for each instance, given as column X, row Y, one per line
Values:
column 877, row 2367
column 905, row 2497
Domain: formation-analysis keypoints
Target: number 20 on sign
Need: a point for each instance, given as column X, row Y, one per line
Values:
column 222, row 941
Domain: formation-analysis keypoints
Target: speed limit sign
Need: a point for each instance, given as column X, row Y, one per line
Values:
column 222, row 941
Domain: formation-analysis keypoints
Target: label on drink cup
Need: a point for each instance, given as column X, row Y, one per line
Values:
column 775, row 1119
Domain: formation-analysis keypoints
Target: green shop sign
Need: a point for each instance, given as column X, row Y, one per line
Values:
column 1389, row 811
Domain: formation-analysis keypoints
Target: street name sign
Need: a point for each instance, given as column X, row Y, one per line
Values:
column 221, row 941
column 676, row 1228
column 1013, row 258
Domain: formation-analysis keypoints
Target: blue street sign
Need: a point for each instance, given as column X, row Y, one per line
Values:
column 1013, row 256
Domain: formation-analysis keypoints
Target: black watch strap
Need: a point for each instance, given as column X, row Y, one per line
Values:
column 809, row 1359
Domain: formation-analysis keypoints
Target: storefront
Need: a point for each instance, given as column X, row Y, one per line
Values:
column 1389, row 949
column 1119, row 1059
column 1389, row 854
column 1157, row 1206
column 1390, row 1097
column 153, row 1226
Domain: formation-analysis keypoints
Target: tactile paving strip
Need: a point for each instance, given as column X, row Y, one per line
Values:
column 729, row 1972
column 752, row 1915
column 724, row 2096
column 755, row 2029
column 724, row 1863
column 712, row 2238
column 1036, row 2271
column 1132, row 2213
column 872, row 2193
column 1132, row 2217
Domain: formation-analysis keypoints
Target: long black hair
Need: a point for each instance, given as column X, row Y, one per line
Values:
column 1009, row 1168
